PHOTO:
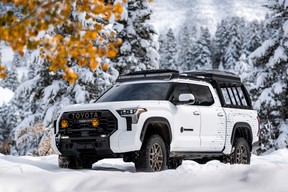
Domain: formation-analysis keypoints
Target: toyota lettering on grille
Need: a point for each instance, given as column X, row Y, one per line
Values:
column 84, row 115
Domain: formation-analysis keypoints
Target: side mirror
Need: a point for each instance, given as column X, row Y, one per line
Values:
column 187, row 98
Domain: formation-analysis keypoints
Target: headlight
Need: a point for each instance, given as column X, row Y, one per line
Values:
column 134, row 113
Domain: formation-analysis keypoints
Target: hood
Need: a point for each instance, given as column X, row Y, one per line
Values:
column 113, row 105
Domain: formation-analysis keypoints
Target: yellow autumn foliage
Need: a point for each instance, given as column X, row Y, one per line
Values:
column 3, row 72
column 41, row 15
column 105, row 66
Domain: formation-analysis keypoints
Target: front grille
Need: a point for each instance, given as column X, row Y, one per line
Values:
column 81, row 127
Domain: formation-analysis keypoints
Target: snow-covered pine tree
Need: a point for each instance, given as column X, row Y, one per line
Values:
column 202, row 51
column 32, row 68
column 187, row 41
column 18, row 60
column 11, row 81
column 244, row 69
column 9, row 118
column 232, row 53
column 161, row 50
column 266, row 31
column 252, row 38
column 169, row 52
column 139, row 50
column 3, row 125
column 272, row 85
column 220, row 43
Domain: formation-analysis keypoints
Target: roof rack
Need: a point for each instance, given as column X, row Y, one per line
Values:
column 213, row 75
column 161, row 74
column 167, row 74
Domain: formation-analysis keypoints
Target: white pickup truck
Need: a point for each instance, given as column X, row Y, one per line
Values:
column 158, row 118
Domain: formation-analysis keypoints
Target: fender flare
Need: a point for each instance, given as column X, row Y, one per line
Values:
column 155, row 120
column 239, row 126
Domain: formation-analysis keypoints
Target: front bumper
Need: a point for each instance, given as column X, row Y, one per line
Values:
column 114, row 136
column 98, row 147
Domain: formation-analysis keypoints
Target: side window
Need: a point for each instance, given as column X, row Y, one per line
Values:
column 226, row 96
column 202, row 95
column 237, row 97
column 230, row 93
column 242, row 96
column 233, row 95
column 180, row 88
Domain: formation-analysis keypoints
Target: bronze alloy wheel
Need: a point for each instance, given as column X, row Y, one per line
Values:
column 156, row 157
column 152, row 156
column 241, row 155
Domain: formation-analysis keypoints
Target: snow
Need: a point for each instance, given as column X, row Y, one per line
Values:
column 7, row 55
column 260, row 51
column 5, row 95
column 277, row 87
column 282, row 139
column 279, row 55
column 41, row 174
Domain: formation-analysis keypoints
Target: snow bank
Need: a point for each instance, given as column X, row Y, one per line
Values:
column 37, row 174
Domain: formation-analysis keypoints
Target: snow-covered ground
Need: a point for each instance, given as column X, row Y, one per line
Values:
column 37, row 174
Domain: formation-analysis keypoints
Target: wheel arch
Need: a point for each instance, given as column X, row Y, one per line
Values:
column 157, row 125
column 242, row 129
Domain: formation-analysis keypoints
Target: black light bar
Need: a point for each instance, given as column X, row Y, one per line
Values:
column 149, row 74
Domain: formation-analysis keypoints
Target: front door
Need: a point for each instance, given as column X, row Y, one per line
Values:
column 187, row 122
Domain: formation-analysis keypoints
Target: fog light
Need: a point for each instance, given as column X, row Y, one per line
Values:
column 64, row 123
column 95, row 122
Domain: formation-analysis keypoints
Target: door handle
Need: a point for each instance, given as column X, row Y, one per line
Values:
column 196, row 113
column 220, row 114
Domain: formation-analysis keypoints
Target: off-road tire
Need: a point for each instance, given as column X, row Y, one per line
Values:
column 241, row 153
column 152, row 156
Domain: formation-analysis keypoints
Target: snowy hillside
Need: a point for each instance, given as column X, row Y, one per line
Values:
column 206, row 13
column 41, row 174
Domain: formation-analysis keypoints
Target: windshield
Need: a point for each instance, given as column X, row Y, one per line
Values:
column 140, row 91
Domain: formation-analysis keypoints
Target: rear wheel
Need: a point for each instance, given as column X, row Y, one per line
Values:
column 152, row 156
column 242, row 152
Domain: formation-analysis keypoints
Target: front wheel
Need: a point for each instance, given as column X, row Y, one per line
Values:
column 242, row 152
column 152, row 156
